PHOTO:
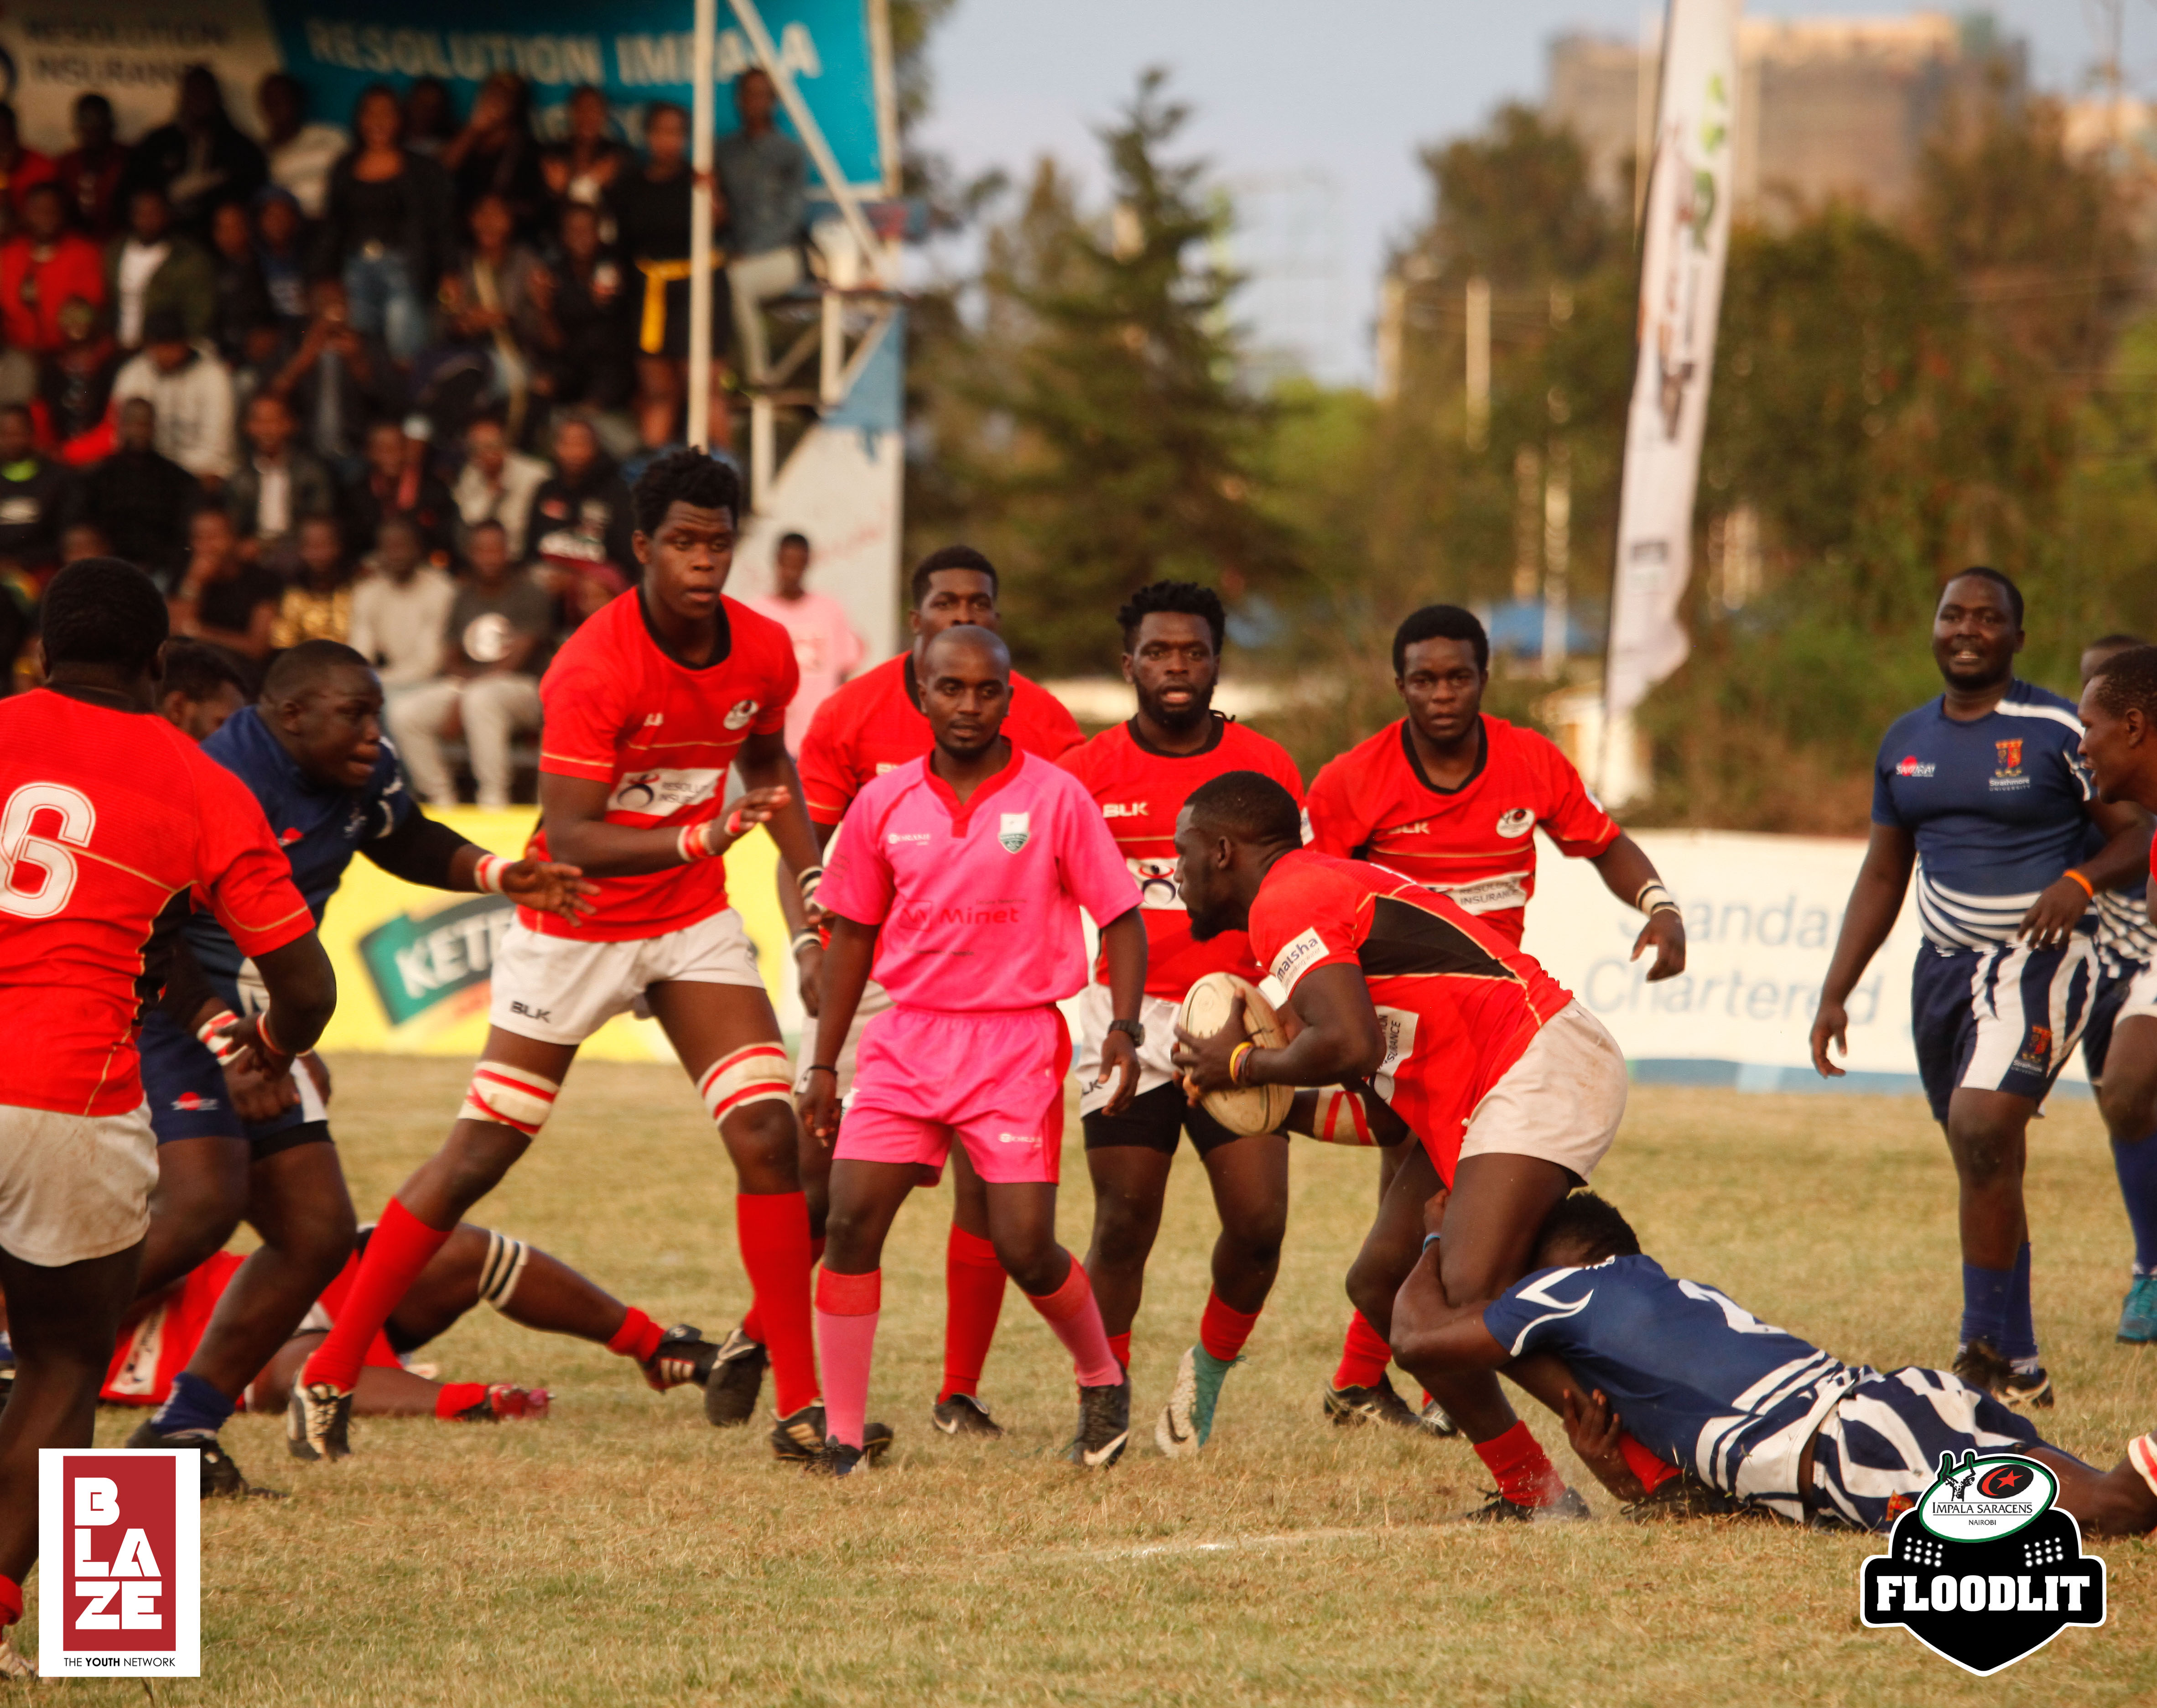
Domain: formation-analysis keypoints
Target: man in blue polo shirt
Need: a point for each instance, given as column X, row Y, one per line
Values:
column 230, row 1145
column 1983, row 791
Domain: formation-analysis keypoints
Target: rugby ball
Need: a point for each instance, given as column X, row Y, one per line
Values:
column 1208, row 1006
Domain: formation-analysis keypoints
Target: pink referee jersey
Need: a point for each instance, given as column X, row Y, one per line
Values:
column 978, row 904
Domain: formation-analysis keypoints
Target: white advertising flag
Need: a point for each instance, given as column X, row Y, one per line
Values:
column 1685, row 238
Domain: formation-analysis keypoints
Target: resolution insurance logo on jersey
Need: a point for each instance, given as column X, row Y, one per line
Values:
column 120, row 1537
column 1984, row 1569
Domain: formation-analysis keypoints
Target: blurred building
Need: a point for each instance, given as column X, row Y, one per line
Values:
column 1830, row 110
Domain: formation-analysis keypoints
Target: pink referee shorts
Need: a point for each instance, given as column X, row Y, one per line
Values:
column 995, row 1079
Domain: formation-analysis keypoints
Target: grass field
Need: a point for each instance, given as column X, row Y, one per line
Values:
column 625, row 1552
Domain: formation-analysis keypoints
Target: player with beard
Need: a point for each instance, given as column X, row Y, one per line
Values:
column 2118, row 712
column 1984, row 792
column 1141, row 773
column 1451, row 797
column 870, row 724
column 1513, row 1088
column 962, row 874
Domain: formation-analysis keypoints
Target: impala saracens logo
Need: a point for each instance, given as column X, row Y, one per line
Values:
column 1984, row 1569
column 1015, row 831
column 1517, row 823
column 739, row 714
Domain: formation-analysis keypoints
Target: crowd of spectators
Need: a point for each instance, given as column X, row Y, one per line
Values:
column 387, row 385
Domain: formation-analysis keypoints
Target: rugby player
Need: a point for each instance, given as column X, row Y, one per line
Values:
column 2120, row 745
column 1658, row 1376
column 1451, row 797
column 477, row 1266
column 1513, row 1088
column 231, row 1146
column 1983, row 791
column 109, row 820
column 870, row 725
column 1141, row 773
column 645, row 708
column 199, row 688
column 962, row 874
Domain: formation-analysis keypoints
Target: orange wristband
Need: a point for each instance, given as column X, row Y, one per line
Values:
column 2088, row 888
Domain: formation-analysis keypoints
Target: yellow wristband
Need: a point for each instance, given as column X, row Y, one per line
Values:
column 2088, row 888
column 1237, row 1058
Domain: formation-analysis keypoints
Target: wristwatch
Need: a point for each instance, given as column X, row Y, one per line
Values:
column 1132, row 1030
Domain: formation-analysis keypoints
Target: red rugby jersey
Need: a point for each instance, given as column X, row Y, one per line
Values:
column 1475, row 844
column 1458, row 1000
column 873, row 723
column 1139, row 792
column 106, row 817
column 618, row 711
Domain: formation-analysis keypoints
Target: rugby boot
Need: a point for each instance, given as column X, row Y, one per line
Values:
column 1434, row 1420
column 318, row 1422
column 732, row 1380
column 837, row 1459
column 503, row 1401
column 800, row 1440
column 220, row 1476
column 1568, row 1508
column 13, row 1664
column 2137, row 1314
column 1376, row 1404
column 1979, row 1364
column 1105, row 1426
column 964, row 1414
column 1186, row 1420
column 2028, row 1388
column 683, row 1356
column 1682, row 1496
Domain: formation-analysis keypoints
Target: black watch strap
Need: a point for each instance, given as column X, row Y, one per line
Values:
column 1132, row 1030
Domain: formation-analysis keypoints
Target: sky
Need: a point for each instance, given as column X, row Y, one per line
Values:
column 1318, row 129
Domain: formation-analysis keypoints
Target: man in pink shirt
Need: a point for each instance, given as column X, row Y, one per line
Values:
column 962, row 874
column 826, row 648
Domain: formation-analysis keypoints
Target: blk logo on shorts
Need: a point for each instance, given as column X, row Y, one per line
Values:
column 120, row 1536
column 1985, row 1569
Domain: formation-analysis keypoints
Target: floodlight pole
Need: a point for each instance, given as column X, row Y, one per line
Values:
column 703, row 121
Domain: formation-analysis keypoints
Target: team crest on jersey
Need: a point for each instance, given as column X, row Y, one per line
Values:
column 1015, row 831
column 2010, row 755
column 1517, row 823
column 2036, row 1056
column 662, row 793
column 739, row 715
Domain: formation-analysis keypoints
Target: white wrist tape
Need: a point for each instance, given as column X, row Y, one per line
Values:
column 809, row 882
column 212, row 1034
column 1654, row 899
column 486, row 875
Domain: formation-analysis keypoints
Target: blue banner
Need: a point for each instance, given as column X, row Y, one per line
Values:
column 640, row 53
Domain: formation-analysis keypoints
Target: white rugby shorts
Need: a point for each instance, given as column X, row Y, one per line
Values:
column 561, row 990
column 1096, row 1009
column 74, row 1187
column 875, row 999
column 2140, row 1002
column 1562, row 1101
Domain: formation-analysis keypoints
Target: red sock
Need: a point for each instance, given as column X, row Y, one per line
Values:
column 1524, row 1472
column 973, row 1298
column 11, row 1601
column 458, row 1396
column 1120, row 1345
column 638, row 1338
column 773, row 1231
column 1652, row 1471
column 847, row 1307
column 753, row 1320
column 1364, row 1355
column 1223, row 1330
column 400, row 1248
column 1076, row 1320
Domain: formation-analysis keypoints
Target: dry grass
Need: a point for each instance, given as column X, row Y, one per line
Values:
column 625, row 1552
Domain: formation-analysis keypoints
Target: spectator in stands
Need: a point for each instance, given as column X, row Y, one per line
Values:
column 223, row 598
column 492, row 302
column 75, row 385
column 32, row 496
column 317, row 606
column 201, row 158
column 430, row 116
column 497, row 484
column 153, row 267
column 652, row 214
column 826, row 647
column 764, row 174
column 581, row 168
column 493, row 647
column 280, row 252
column 139, row 498
column 581, row 519
column 90, row 172
column 242, row 300
column 83, row 539
column 300, row 153
column 497, row 154
column 278, row 484
column 399, row 612
column 261, row 364
column 193, row 391
column 387, row 228
column 591, row 360
column 22, row 169
column 41, row 267
column 338, row 382
column 396, row 482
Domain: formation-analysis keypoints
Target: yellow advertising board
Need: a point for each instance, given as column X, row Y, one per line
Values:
column 412, row 963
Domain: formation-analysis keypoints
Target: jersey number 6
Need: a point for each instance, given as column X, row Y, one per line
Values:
column 38, row 873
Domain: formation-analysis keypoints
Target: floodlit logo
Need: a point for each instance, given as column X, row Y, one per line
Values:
column 120, row 1536
column 1984, row 1569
